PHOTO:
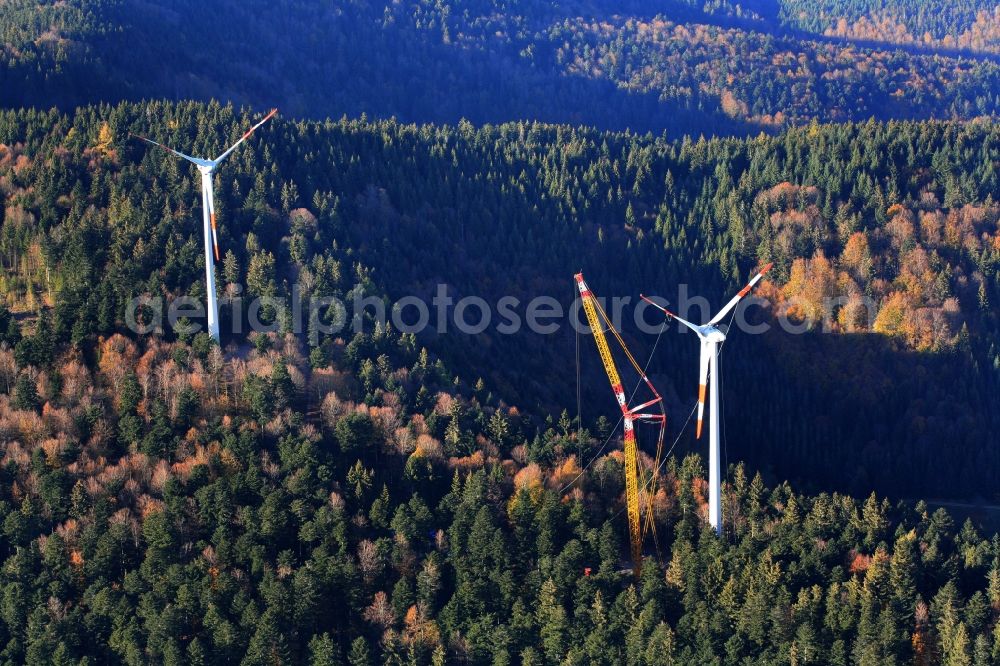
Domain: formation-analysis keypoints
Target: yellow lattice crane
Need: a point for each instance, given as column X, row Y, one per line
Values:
column 599, row 322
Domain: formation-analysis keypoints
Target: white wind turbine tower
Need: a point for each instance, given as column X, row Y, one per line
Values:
column 207, row 168
column 711, row 338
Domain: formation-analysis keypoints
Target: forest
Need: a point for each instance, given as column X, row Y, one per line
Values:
column 362, row 494
column 670, row 65
column 392, row 498
column 967, row 25
column 898, row 216
column 165, row 503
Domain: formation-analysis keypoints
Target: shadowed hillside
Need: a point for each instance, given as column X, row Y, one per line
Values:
column 662, row 66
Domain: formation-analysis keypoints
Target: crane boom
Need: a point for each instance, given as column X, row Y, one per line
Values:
column 629, row 416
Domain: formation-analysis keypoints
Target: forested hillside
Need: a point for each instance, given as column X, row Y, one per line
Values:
column 371, row 496
column 668, row 65
column 900, row 214
column 163, row 503
column 970, row 25
column 370, row 500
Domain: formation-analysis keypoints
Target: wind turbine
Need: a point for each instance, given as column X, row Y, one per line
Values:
column 711, row 338
column 207, row 168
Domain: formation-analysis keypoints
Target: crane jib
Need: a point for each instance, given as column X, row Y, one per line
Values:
column 596, row 319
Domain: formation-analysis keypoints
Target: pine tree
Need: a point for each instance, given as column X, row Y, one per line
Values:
column 379, row 513
column 25, row 393
column 231, row 268
column 957, row 649
column 597, row 645
column 359, row 655
column 105, row 139
column 551, row 618
column 660, row 651
column 499, row 429
column 323, row 651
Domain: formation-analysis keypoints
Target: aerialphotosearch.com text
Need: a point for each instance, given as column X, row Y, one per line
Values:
column 444, row 313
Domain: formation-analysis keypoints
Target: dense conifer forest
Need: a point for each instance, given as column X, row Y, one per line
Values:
column 969, row 25
column 340, row 491
column 666, row 65
column 896, row 221
column 389, row 497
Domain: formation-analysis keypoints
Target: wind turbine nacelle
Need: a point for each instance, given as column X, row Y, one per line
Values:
column 712, row 334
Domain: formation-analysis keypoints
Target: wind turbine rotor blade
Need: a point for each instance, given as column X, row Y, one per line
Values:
column 210, row 190
column 706, row 356
column 206, row 198
column 738, row 297
column 245, row 136
column 671, row 315
column 192, row 160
